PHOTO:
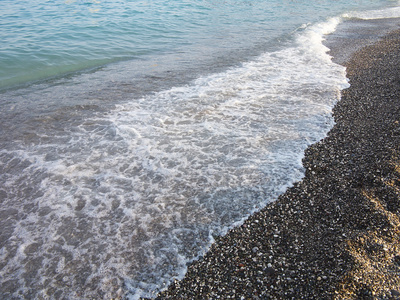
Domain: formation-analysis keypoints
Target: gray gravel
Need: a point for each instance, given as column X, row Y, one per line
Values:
column 335, row 234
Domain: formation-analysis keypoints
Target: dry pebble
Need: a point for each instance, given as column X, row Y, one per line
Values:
column 335, row 234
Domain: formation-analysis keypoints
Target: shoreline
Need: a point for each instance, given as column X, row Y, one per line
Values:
column 336, row 233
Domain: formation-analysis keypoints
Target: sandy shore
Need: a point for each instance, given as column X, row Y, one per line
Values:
column 335, row 234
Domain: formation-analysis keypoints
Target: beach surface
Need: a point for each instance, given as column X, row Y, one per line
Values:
column 335, row 234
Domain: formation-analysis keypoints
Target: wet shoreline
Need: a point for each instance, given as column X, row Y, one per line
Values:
column 335, row 234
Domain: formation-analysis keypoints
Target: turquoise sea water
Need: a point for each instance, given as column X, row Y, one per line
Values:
column 41, row 39
column 133, row 132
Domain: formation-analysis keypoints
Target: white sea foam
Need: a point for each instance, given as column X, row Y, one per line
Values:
column 390, row 12
column 136, row 193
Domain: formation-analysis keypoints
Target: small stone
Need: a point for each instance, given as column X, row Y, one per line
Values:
column 395, row 293
column 270, row 271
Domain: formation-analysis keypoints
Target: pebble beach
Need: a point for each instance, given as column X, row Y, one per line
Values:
column 336, row 233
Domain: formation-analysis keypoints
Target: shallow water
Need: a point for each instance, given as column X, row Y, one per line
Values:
column 114, row 178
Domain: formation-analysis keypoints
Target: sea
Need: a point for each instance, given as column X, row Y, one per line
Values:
column 134, row 132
